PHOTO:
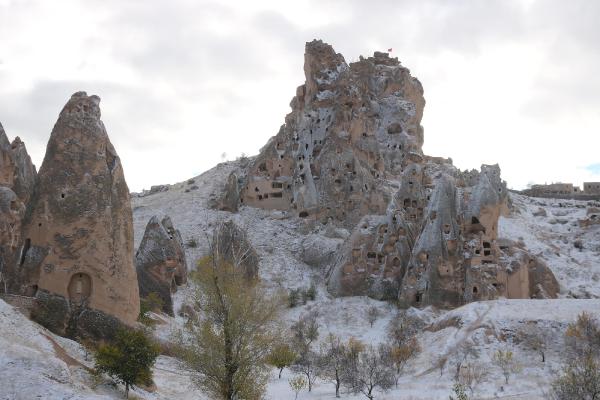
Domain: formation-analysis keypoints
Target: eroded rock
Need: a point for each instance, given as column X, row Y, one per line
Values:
column 160, row 261
column 78, row 237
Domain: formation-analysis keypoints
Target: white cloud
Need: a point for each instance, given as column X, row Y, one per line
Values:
column 183, row 81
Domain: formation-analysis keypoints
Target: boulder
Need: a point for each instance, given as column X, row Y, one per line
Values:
column 160, row 261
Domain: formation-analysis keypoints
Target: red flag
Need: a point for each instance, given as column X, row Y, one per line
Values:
column 390, row 50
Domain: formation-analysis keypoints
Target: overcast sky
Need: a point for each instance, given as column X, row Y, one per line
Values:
column 182, row 81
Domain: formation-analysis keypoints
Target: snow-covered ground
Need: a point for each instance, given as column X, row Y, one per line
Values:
column 37, row 364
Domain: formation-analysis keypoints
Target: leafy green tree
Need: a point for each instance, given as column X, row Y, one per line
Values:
column 129, row 359
column 281, row 356
column 228, row 347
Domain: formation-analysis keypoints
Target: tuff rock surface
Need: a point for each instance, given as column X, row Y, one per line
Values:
column 350, row 156
column 76, row 256
column 17, row 179
column 160, row 261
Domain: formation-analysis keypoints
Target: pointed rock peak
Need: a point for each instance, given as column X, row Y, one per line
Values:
column 4, row 143
column 81, row 106
column 322, row 65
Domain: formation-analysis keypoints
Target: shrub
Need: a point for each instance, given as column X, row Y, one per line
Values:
column 297, row 384
column 294, row 298
column 192, row 243
column 281, row 356
column 129, row 359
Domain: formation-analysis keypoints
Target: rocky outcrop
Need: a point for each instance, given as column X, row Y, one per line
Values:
column 160, row 261
column 232, row 245
column 78, row 236
column 351, row 128
column 350, row 155
column 17, row 180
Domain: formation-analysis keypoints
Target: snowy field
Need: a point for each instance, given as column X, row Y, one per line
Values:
column 39, row 365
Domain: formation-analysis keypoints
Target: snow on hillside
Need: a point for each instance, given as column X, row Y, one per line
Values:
column 552, row 235
column 37, row 364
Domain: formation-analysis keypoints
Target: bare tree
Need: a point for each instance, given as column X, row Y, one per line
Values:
column 471, row 374
column 332, row 357
column 398, row 356
column 372, row 315
column 506, row 362
column 463, row 352
column 305, row 332
column 368, row 370
column 534, row 338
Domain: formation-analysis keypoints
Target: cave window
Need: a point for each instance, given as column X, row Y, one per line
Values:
column 414, row 203
column 262, row 167
column 277, row 185
column 277, row 195
column 306, row 146
column 371, row 254
column 256, row 189
column 260, row 197
column 474, row 220
column 303, row 214
column 475, row 290
column 418, row 297
column 266, row 196
column 486, row 245
column 396, row 262
column 62, row 195
column 338, row 181
column 447, row 229
column 406, row 202
column 39, row 224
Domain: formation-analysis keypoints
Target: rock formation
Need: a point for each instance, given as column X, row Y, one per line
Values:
column 160, row 261
column 17, row 179
column 231, row 243
column 350, row 155
column 351, row 127
column 76, row 257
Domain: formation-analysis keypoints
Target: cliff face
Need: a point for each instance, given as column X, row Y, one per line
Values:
column 77, row 253
column 350, row 155
column 351, row 127
column 17, row 180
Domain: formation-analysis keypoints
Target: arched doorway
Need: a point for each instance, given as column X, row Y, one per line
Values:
column 80, row 287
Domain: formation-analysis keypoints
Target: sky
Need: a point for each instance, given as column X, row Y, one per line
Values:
column 187, row 84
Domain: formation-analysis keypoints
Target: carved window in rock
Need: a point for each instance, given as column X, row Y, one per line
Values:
column 80, row 287
column 447, row 229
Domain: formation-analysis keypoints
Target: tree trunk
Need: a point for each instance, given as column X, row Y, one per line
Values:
column 280, row 370
column 126, row 390
column 337, row 385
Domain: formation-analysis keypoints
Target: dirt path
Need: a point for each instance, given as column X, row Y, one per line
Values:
column 62, row 354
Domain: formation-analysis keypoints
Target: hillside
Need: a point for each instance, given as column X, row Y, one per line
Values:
column 43, row 368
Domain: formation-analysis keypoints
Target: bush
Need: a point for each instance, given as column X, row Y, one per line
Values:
column 294, row 298
column 150, row 303
column 580, row 381
column 297, row 384
column 192, row 243
column 310, row 294
column 129, row 359
column 281, row 356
